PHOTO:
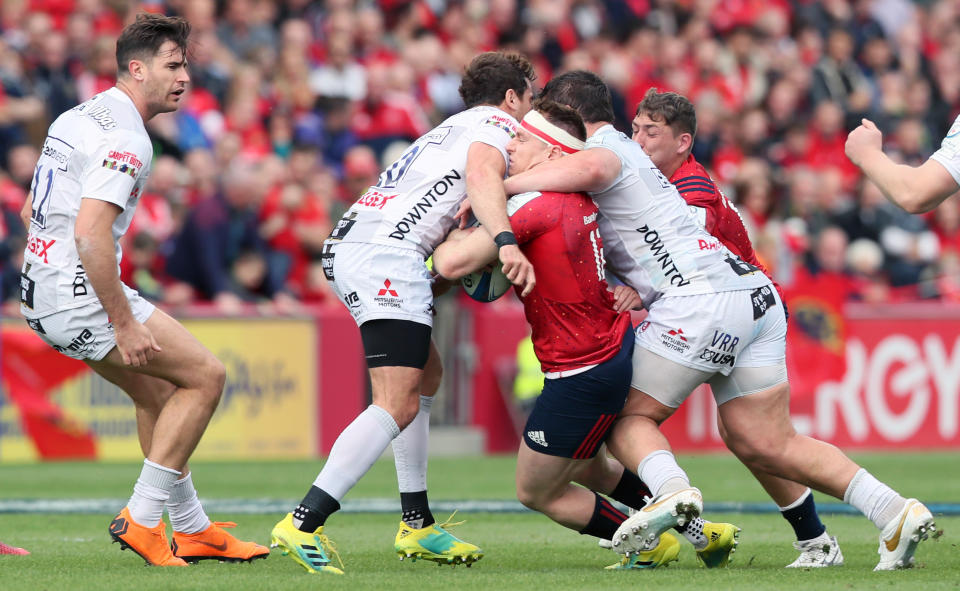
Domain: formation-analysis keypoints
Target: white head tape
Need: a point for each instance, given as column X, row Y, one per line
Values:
column 549, row 133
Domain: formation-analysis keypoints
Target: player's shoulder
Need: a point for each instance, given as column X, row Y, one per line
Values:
column 693, row 181
column 518, row 201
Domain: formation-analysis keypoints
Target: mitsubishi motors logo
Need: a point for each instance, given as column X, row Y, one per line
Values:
column 386, row 289
column 675, row 340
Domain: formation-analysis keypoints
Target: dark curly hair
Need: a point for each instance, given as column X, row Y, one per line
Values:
column 490, row 75
column 671, row 108
column 141, row 40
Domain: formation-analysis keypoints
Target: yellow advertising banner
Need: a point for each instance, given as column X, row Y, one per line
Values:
column 268, row 408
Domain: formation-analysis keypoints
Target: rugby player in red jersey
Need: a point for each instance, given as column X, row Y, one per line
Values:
column 581, row 336
column 665, row 126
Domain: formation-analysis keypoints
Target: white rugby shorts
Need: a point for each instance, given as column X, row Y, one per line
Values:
column 86, row 332
column 734, row 340
column 377, row 282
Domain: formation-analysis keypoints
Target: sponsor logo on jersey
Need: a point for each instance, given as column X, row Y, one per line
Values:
column 374, row 199
column 103, row 117
column 27, row 288
column 352, row 299
column 664, row 182
column 121, row 167
column 81, row 343
column 675, row 339
column 79, row 281
column 762, row 299
column 34, row 323
column 420, row 207
column 503, row 123
column 388, row 297
column 343, row 226
column 709, row 244
column 589, row 219
column 54, row 153
column 127, row 157
column 660, row 253
column 740, row 267
column 721, row 349
column 40, row 247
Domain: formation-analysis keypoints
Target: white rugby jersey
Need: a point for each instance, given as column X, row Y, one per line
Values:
column 98, row 150
column 413, row 203
column 949, row 153
column 651, row 239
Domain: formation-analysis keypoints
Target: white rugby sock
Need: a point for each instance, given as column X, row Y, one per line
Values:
column 186, row 513
column 693, row 532
column 411, row 449
column 150, row 493
column 355, row 450
column 661, row 473
column 876, row 500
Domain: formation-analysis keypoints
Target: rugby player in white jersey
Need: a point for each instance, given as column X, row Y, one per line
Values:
column 94, row 164
column 375, row 260
column 712, row 318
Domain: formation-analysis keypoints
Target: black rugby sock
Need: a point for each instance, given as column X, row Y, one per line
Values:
column 313, row 510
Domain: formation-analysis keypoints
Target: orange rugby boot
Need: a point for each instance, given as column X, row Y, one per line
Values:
column 215, row 544
column 149, row 542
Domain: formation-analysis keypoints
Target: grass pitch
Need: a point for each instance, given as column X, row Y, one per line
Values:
column 523, row 550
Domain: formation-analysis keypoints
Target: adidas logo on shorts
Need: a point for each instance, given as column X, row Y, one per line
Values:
column 538, row 438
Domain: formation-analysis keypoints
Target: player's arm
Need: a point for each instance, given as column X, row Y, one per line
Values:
column 915, row 189
column 26, row 212
column 94, row 239
column 484, row 178
column 463, row 252
column 594, row 169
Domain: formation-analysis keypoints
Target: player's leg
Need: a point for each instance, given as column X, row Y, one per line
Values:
column 662, row 379
column 779, row 449
column 411, row 450
column 607, row 476
column 795, row 501
column 175, row 396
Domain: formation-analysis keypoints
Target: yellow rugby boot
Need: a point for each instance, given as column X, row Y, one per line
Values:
column 723, row 539
column 435, row 543
column 311, row 551
column 667, row 551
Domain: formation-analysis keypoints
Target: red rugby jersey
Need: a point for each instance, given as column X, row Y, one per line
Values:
column 722, row 218
column 569, row 310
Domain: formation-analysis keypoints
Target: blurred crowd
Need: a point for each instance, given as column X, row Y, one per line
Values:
column 295, row 106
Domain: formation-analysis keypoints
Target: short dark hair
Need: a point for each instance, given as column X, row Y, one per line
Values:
column 672, row 109
column 585, row 92
column 490, row 75
column 141, row 40
column 564, row 117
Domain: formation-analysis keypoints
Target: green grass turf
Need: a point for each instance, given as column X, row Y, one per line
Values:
column 524, row 551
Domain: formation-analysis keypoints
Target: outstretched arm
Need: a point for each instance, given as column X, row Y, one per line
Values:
column 463, row 252
column 916, row 189
column 587, row 170
column 484, row 176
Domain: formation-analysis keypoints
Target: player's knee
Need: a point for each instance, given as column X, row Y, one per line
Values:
column 213, row 377
column 762, row 453
column 530, row 497
column 404, row 413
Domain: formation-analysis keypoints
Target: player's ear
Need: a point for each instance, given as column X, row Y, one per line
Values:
column 686, row 142
column 136, row 70
column 555, row 152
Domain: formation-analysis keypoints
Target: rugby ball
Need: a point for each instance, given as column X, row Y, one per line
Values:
column 487, row 284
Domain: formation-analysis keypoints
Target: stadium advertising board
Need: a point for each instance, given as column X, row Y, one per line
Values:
column 893, row 383
column 268, row 408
